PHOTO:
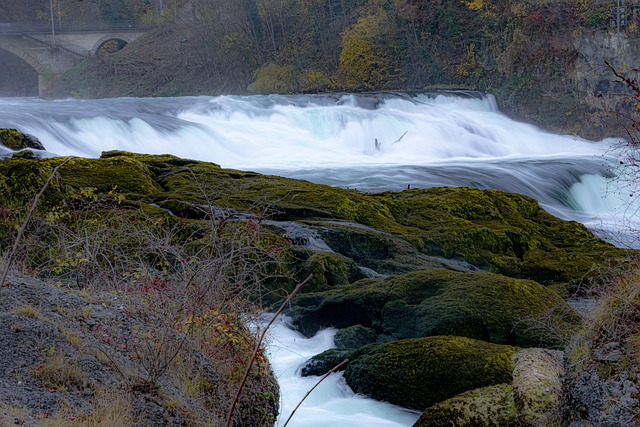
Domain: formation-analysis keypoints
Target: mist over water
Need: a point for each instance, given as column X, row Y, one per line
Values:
column 369, row 142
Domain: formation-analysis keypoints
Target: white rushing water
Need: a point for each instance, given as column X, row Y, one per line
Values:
column 368, row 142
column 332, row 403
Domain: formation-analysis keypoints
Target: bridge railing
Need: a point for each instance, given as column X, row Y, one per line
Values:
column 75, row 27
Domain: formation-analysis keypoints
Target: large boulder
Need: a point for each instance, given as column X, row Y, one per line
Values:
column 537, row 386
column 329, row 269
column 477, row 305
column 490, row 406
column 416, row 373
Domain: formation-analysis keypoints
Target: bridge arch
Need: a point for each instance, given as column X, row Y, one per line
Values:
column 19, row 76
column 23, row 55
column 118, row 37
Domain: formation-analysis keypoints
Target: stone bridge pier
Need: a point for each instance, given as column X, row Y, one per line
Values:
column 53, row 55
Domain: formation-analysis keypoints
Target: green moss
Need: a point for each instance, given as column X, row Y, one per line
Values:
column 12, row 139
column 389, row 232
column 329, row 270
column 490, row 406
column 505, row 233
column 354, row 337
column 125, row 174
column 441, row 302
column 416, row 373
column 24, row 154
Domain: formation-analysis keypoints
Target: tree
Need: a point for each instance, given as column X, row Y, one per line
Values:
column 370, row 49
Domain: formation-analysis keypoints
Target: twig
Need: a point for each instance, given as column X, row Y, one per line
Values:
column 26, row 221
column 335, row 368
column 257, row 348
column 400, row 139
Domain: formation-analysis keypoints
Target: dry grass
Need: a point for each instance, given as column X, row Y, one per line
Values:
column 611, row 330
column 26, row 310
column 110, row 408
column 60, row 372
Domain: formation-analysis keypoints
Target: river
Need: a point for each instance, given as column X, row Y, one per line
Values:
column 373, row 142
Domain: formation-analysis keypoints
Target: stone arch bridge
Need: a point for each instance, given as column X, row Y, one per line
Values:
column 53, row 53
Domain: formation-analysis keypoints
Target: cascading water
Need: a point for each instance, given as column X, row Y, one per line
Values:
column 369, row 142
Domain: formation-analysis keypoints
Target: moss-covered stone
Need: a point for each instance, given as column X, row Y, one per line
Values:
column 478, row 305
column 15, row 140
column 355, row 337
column 124, row 174
column 322, row 363
column 505, row 233
column 329, row 270
column 416, row 373
column 490, row 406
column 389, row 232
column 24, row 154
column 537, row 386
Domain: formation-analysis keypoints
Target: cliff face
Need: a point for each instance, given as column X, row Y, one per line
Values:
column 594, row 80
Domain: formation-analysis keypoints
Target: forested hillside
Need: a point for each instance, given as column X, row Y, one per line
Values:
column 529, row 53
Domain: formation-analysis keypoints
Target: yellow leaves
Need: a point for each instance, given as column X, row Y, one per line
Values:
column 368, row 52
column 69, row 261
column 519, row 10
column 274, row 78
column 468, row 63
column 475, row 4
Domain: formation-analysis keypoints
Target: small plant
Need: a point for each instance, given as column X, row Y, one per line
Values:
column 26, row 310
column 59, row 372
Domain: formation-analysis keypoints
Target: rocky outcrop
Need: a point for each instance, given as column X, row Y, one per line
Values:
column 476, row 265
column 477, row 305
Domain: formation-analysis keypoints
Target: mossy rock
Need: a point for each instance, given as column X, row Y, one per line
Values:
column 389, row 232
column 322, row 363
column 22, row 178
column 490, row 406
column 506, row 233
column 124, row 174
column 329, row 270
column 538, row 386
column 416, row 373
column 15, row 140
column 24, row 154
column 355, row 337
column 477, row 305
